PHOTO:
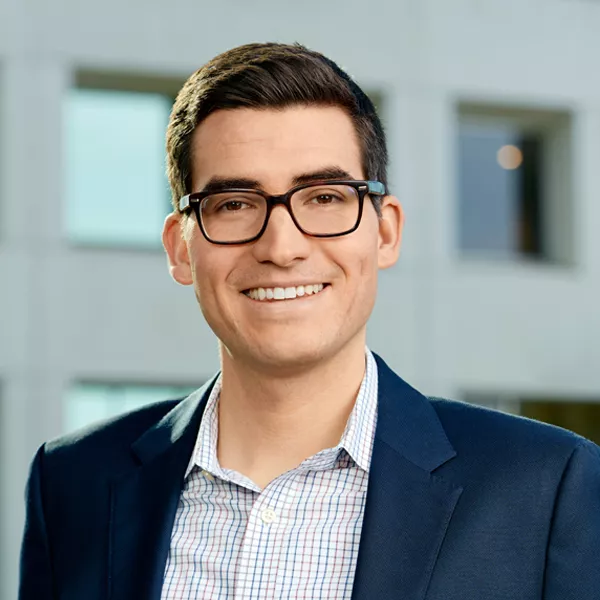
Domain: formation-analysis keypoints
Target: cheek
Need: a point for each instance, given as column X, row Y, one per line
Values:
column 203, row 290
column 209, row 288
column 362, row 271
column 367, row 250
column 209, row 291
column 212, row 269
column 207, row 272
column 368, row 280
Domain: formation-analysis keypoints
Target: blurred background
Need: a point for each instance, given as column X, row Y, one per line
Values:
column 492, row 109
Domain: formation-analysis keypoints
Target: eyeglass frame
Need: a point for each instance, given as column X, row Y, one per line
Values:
column 363, row 187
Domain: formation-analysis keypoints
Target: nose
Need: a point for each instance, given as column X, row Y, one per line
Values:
column 282, row 243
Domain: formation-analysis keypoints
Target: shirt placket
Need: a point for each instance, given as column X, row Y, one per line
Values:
column 291, row 559
column 262, row 545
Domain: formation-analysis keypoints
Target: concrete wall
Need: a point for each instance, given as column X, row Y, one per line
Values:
column 445, row 323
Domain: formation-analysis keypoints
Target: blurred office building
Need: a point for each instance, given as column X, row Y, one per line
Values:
column 492, row 111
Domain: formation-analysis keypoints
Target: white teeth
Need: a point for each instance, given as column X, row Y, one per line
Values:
column 288, row 293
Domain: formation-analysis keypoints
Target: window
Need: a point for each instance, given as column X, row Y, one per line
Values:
column 89, row 402
column 514, row 187
column 581, row 417
column 116, row 190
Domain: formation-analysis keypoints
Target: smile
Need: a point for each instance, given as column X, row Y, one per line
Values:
column 287, row 293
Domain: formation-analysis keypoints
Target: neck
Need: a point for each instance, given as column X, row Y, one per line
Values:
column 269, row 425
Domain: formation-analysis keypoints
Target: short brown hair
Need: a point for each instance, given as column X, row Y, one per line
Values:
column 269, row 75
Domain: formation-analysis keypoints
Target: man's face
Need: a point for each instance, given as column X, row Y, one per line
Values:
column 273, row 147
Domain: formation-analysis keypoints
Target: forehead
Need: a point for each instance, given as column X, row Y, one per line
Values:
column 273, row 146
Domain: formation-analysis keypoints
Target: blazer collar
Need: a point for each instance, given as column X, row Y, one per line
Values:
column 179, row 424
column 408, row 423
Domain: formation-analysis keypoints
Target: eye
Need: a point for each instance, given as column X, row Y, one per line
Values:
column 228, row 202
column 233, row 206
column 325, row 198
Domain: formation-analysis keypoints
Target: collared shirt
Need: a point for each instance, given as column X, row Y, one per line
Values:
column 296, row 538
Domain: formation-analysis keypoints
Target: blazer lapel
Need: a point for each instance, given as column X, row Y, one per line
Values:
column 408, row 508
column 144, row 501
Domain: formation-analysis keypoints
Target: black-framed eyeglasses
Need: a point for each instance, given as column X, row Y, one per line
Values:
column 321, row 209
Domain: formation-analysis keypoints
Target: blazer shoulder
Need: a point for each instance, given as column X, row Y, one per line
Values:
column 477, row 428
column 105, row 442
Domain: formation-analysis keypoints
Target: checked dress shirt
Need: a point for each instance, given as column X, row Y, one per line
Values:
column 296, row 538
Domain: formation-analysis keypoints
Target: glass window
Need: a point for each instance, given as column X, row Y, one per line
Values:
column 512, row 203
column 87, row 403
column 499, row 191
column 581, row 417
column 116, row 190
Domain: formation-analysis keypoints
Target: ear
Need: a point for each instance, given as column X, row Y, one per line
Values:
column 391, row 223
column 173, row 240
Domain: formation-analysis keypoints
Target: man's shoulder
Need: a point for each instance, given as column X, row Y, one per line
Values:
column 485, row 431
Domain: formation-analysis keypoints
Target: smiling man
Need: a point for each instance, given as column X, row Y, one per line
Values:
column 306, row 468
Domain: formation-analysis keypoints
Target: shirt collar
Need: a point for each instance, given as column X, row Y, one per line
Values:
column 359, row 434
column 205, row 451
column 357, row 439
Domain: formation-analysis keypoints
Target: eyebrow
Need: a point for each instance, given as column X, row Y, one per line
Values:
column 217, row 184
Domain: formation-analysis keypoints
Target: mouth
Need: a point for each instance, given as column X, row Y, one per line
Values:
column 277, row 294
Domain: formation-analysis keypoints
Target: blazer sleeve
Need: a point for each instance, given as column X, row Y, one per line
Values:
column 35, row 581
column 573, row 557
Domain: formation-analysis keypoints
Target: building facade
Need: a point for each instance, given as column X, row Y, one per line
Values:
column 492, row 111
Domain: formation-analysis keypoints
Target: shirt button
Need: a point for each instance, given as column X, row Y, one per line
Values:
column 268, row 516
column 208, row 475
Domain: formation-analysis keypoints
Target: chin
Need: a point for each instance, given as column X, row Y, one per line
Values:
column 291, row 353
column 282, row 356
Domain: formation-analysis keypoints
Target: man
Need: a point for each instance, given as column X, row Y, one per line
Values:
column 306, row 468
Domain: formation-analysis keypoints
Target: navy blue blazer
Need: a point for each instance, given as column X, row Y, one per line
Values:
column 463, row 503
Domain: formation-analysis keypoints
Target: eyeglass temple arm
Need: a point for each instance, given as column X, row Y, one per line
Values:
column 376, row 187
column 184, row 202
